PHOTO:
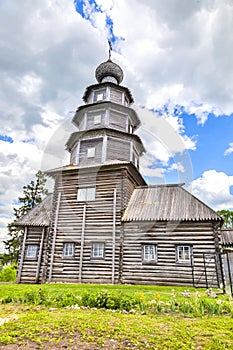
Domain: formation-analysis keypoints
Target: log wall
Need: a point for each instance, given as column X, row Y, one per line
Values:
column 118, row 149
column 117, row 121
column 34, row 269
column 94, row 220
column 166, row 270
column 85, row 145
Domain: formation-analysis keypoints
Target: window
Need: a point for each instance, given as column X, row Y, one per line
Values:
column 99, row 95
column 149, row 252
column 31, row 251
column 97, row 119
column 68, row 249
column 183, row 253
column 98, row 250
column 86, row 194
column 91, row 152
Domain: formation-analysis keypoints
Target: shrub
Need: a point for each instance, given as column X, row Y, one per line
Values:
column 67, row 299
column 8, row 274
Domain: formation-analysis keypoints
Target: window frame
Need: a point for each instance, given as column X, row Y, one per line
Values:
column 84, row 194
column 180, row 248
column 98, row 257
column 35, row 255
column 97, row 93
column 66, row 253
column 154, row 258
column 97, row 119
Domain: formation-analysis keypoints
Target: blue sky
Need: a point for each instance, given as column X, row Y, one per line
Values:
column 177, row 58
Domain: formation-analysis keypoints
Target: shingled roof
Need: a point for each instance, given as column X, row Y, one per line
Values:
column 227, row 237
column 167, row 203
column 38, row 216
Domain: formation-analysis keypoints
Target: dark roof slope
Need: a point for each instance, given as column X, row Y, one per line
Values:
column 227, row 237
column 167, row 203
column 38, row 216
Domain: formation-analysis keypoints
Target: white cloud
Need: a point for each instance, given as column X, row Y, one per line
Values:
column 229, row 150
column 213, row 188
column 45, row 66
column 177, row 52
column 177, row 166
column 164, row 136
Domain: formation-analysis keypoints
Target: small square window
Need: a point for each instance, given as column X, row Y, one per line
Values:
column 99, row 95
column 91, row 152
column 31, row 251
column 183, row 253
column 97, row 119
column 98, row 250
column 149, row 252
column 68, row 249
column 86, row 194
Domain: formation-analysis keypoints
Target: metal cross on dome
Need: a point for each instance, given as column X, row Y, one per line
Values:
column 110, row 49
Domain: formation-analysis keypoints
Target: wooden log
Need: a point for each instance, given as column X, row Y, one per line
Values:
column 54, row 236
column 82, row 243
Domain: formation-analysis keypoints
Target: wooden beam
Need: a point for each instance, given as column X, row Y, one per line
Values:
column 54, row 236
column 40, row 255
column 104, row 149
column 22, row 255
column 114, row 235
column 82, row 243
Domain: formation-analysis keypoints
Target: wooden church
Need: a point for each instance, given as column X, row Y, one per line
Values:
column 103, row 223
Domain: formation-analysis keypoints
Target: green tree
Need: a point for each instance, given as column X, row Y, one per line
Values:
column 32, row 196
column 227, row 216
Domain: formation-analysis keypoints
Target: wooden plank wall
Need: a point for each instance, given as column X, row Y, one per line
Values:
column 117, row 121
column 118, row 149
column 29, row 266
column 167, row 271
column 91, row 117
column 98, row 226
column 85, row 144
column 115, row 95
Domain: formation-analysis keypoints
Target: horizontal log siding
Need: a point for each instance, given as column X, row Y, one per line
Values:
column 73, row 157
column 166, row 271
column 91, row 119
column 118, row 149
column 97, row 144
column 29, row 268
column 117, row 121
column 98, row 225
column 115, row 95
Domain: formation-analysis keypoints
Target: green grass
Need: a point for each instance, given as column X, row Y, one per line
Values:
column 78, row 328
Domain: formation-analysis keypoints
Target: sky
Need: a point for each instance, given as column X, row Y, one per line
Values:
column 177, row 58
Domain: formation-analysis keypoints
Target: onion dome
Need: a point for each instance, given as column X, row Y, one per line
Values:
column 109, row 71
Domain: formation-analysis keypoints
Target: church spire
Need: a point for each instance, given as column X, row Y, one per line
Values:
column 109, row 50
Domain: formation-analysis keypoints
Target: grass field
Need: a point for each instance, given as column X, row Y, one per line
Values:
column 161, row 318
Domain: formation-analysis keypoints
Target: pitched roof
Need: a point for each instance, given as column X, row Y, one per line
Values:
column 227, row 237
column 167, row 203
column 38, row 216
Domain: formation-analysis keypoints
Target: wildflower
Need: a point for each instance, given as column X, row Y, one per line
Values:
column 141, row 297
column 186, row 293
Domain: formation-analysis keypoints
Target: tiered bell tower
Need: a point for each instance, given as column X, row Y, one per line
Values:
column 106, row 123
column 92, row 192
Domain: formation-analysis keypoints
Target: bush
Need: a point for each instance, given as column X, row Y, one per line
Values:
column 106, row 300
column 8, row 273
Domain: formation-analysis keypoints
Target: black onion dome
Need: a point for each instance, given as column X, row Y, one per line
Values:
column 109, row 69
